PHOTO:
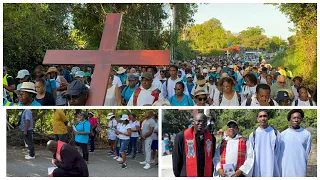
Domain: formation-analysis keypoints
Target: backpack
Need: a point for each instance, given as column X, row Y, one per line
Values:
column 249, row 100
column 296, row 102
column 254, row 137
column 221, row 95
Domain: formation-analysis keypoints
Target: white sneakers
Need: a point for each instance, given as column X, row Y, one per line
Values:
column 119, row 159
column 29, row 157
column 143, row 162
column 147, row 166
column 116, row 157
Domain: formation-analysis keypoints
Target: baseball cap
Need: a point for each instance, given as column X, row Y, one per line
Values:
column 282, row 95
column 84, row 114
column 75, row 88
column 132, row 77
column 147, row 75
column 22, row 73
column 232, row 121
column 79, row 74
column 91, row 113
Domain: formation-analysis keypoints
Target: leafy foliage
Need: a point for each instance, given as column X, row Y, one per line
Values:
column 178, row 120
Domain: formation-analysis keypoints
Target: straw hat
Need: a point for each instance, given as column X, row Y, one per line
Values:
column 27, row 87
column 121, row 70
column 52, row 69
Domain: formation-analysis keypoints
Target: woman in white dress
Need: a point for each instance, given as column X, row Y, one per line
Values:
column 110, row 99
column 226, row 96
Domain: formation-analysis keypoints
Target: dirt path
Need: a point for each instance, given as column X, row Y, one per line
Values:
column 101, row 165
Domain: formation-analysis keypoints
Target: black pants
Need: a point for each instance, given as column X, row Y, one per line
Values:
column 85, row 152
column 91, row 138
column 29, row 141
column 58, row 172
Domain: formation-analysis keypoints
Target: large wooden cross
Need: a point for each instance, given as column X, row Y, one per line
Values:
column 106, row 56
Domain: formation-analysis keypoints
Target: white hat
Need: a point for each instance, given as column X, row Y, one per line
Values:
column 213, row 69
column 205, row 71
column 121, row 70
column 74, row 70
column 27, row 87
column 124, row 117
column 110, row 115
column 189, row 75
column 79, row 74
column 22, row 73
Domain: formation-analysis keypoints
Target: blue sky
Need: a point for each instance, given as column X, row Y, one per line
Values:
column 237, row 17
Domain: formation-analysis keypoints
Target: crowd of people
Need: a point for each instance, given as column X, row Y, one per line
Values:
column 208, row 81
column 266, row 153
column 123, row 135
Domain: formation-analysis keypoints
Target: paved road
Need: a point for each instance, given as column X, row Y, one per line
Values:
column 166, row 166
column 101, row 165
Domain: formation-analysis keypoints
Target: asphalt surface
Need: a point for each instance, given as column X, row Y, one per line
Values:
column 100, row 165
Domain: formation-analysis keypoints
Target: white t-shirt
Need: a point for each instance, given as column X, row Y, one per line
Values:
column 118, row 128
column 157, row 83
column 303, row 103
column 154, row 135
column 116, row 81
column 255, row 102
column 133, row 127
column 124, row 129
column 111, row 132
column 225, row 102
column 262, row 80
column 247, row 91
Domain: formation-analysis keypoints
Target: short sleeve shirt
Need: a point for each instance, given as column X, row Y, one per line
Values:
column 116, row 81
column 26, row 116
column 146, row 125
column 83, row 126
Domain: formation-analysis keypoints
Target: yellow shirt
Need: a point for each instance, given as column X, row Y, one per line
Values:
column 59, row 118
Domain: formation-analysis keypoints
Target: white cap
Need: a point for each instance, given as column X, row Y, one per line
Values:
column 189, row 75
column 74, row 70
column 79, row 74
column 22, row 73
column 124, row 117
column 205, row 71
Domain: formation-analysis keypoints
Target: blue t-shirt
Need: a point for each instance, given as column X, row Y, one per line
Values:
column 127, row 92
column 186, row 101
column 190, row 87
column 166, row 143
column 83, row 126
column 26, row 116
column 50, row 85
column 34, row 103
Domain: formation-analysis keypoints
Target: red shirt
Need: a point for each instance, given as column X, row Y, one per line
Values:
column 93, row 121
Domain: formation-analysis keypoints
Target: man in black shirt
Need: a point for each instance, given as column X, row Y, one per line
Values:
column 193, row 150
column 67, row 159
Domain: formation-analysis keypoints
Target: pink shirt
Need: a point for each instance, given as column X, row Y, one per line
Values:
column 93, row 121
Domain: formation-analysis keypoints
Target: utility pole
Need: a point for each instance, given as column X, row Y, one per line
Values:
column 173, row 38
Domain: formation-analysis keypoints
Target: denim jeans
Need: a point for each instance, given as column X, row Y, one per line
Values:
column 29, row 141
column 123, row 145
column 133, row 144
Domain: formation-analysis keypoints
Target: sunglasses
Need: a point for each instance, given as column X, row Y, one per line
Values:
column 263, row 116
column 202, row 99
column 281, row 82
column 177, row 89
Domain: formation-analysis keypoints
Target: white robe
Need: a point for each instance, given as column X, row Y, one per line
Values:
column 266, row 152
column 144, row 97
column 294, row 151
column 232, row 156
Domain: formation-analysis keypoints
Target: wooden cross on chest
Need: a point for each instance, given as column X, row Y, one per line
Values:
column 106, row 56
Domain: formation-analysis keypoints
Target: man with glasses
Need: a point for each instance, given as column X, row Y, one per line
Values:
column 295, row 147
column 77, row 93
column 281, row 85
column 235, row 151
column 265, row 141
column 193, row 150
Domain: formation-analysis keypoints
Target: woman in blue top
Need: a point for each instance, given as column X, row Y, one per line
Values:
column 82, row 134
column 180, row 99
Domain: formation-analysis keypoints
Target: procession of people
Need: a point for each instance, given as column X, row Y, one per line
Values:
column 238, row 80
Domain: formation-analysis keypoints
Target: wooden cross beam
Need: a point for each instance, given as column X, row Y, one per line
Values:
column 106, row 56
